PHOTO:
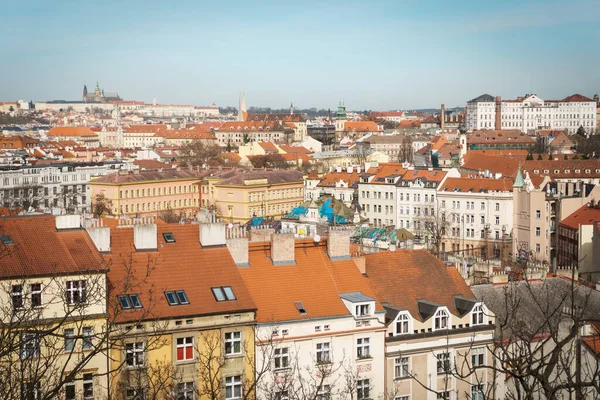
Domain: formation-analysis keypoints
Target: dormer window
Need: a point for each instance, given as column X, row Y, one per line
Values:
column 402, row 324
column 440, row 320
column 477, row 315
column 363, row 310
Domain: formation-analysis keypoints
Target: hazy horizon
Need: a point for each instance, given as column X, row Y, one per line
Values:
column 380, row 55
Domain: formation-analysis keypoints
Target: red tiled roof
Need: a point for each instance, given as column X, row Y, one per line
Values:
column 402, row 277
column 475, row 185
column 174, row 267
column 577, row 98
column 499, row 137
column 314, row 280
column 586, row 215
column 332, row 178
column 71, row 131
column 39, row 249
column 361, row 126
column 268, row 147
column 146, row 176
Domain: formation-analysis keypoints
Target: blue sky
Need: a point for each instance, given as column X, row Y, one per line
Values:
column 372, row 54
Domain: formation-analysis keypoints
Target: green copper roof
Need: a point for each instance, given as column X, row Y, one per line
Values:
column 519, row 181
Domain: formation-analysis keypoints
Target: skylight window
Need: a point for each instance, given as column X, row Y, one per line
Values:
column 176, row 297
column 181, row 297
column 129, row 301
column 300, row 308
column 169, row 238
column 6, row 239
column 223, row 293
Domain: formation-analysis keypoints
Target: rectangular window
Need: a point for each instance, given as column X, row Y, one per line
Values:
column 36, row 294
column 477, row 357
column 76, row 292
column 233, row 387
column 363, row 388
column 31, row 391
column 223, row 293
column 185, row 348
column 323, row 355
column 443, row 395
column 362, row 310
column 70, row 393
column 17, row 297
column 324, row 392
column 477, row 392
column 69, row 335
column 30, row 346
column 88, row 386
column 233, row 343
column 281, row 358
column 537, row 231
column 497, row 206
column 185, row 391
column 497, row 220
column 401, row 367
column 362, row 348
column 134, row 354
column 538, row 214
column 443, row 363
column 88, row 338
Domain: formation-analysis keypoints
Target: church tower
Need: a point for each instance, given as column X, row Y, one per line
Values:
column 291, row 108
column 340, row 117
column 97, row 93
column 85, row 93
column 242, row 108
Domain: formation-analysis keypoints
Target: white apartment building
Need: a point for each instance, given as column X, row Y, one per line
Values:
column 433, row 336
column 64, row 186
column 326, row 331
column 340, row 183
column 530, row 112
column 478, row 214
column 417, row 198
column 377, row 193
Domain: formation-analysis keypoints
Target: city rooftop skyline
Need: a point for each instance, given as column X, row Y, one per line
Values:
column 380, row 56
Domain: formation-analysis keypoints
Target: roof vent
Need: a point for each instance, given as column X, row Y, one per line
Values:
column 6, row 239
column 300, row 307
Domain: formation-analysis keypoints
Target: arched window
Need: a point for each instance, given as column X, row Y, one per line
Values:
column 477, row 315
column 402, row 324
column 440, row 320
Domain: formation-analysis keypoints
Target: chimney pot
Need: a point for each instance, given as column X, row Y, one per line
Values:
column 145, row 237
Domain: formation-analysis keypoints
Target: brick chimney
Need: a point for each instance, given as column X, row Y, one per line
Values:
column 443, row 118
column 145, row 237
column 237, row 244
column 338, row 244
column 498, row 122
column 282, row 248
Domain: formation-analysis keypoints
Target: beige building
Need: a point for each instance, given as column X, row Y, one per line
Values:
column 539, row 207
column 149, row 193
column 53, row 310
column 239, row 195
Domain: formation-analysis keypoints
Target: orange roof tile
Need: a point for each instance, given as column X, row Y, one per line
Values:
column 71, row 131
column 585, row 215
column 39, row 249
column 174, row 267
column 361, row 126
column 332, row 178
column 475, row 185
column 314, row 280
column 401, row 278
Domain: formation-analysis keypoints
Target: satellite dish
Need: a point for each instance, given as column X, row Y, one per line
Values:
column 317, row 238
column 230, row 225
column 393, row 248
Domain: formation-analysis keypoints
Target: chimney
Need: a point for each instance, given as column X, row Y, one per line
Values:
column 145, row 237
column 443, row 118
column 282, row 248
column 338, row 244
column 237, row 244
column 349, row 170
column 100, row 235
column 212, row 234
column 64, row 222
column 498, row 122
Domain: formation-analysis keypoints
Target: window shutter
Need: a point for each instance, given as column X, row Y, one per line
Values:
column 180, row 353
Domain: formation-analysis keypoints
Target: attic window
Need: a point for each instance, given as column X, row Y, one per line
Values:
column 223, row 293
column 169, row 238
column 176, row 297
column 129, row 301
column 300, row 308
column 6, row 239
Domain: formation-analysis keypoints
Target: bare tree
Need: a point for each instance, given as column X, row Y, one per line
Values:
column 101, row 205
column 406, row 153
column 432, row 225
column 198, row 152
